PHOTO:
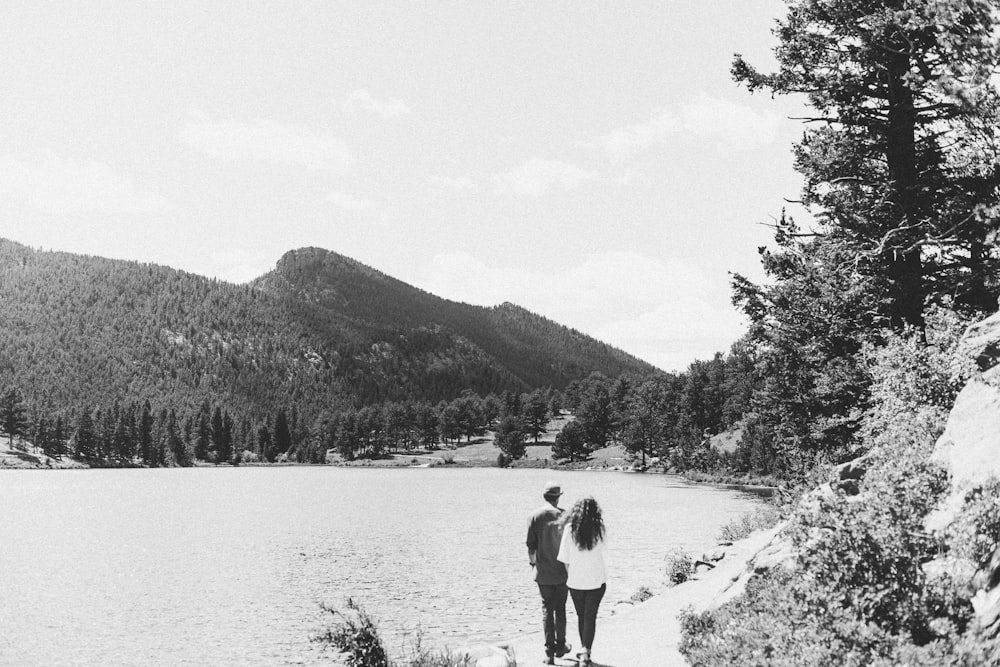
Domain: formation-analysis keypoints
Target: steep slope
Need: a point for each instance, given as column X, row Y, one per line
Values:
column 511, row 340
column 319, row 331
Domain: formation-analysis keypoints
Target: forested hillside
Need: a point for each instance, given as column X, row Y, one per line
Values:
column 319, row 332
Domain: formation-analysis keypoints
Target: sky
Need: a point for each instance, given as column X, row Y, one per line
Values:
column 593, row 162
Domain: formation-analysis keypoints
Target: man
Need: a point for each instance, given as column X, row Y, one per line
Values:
column 544, row 535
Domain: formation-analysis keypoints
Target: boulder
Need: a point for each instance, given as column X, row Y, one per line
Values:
column 981, row 343
column 970, row 445
column 969, row 449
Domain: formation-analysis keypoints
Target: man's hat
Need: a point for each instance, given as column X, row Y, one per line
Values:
column 552, row 490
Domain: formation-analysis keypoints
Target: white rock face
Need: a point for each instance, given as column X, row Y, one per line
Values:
column 970, row 444
column 970, row 448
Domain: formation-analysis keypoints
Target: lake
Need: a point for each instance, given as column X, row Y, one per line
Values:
column 227, row 566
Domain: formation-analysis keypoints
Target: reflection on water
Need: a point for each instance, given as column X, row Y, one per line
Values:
column 228, row 566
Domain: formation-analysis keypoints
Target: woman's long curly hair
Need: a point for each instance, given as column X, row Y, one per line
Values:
column 586, row 522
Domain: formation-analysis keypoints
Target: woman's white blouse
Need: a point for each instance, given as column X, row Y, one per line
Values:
column 586, row 569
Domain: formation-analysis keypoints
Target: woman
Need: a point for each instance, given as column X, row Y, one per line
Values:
column 582, row 550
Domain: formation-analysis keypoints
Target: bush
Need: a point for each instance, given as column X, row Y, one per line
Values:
column 356, row 636
column 761, row 518
column 679, row 566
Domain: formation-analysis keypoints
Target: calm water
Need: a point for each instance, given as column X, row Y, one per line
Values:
column 228, row 566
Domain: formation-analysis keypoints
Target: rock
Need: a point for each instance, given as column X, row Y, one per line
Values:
column 701, row 566
column 981, row 343
column 486, row 655
column 779, row 553
column 970, row 450
column 970, row 444
column 714, row 556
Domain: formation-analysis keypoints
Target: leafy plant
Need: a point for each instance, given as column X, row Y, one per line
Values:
column 679, row 566
column 354, row 634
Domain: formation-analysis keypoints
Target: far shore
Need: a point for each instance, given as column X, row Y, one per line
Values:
column 478, row 452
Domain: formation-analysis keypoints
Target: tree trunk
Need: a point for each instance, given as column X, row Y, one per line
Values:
column 905, row 266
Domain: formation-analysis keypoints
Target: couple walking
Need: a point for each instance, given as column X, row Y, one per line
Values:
column 566, row 549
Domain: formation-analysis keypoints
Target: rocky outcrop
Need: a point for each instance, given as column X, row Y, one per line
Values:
column 970, row 450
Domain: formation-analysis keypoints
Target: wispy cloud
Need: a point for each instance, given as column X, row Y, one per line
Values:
column 348, row 202
column 56, row 185
column 452, row 182
column 536, row 176
column 265, row 141
column 730, row 126
column 362, row 99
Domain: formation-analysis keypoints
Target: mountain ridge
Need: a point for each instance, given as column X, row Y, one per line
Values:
column 320, row 330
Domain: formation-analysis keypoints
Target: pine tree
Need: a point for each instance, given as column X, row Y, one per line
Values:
column 85, row 437
column 282, row 434
column 13, row 414
column 571, row 443
column 899, row 91
column 510, row 437
column 146, row 448
column 536, row 414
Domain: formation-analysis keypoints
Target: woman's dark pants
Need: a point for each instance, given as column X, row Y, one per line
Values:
column 553, row 615
column 587, row 603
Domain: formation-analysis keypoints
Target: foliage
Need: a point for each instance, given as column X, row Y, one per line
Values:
column 510, row 438
column 355, row 634
column 861, row 592
column 571, row 443
column 899, row 91
column 899, row 169
column 12, row 413
column 679, row 566
column 761, row 518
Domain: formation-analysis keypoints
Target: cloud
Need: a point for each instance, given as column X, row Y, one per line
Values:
column 59, row 186
column 265, row 141
column 362, row 99
column 536, row 176
column 348, row 202
column 730, row 126
column 452, row 183
column 668, row 312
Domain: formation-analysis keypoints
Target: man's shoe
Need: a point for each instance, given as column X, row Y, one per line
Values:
column 549, row 660
column 563, row 650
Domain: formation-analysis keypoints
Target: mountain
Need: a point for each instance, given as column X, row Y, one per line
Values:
column 319, row 331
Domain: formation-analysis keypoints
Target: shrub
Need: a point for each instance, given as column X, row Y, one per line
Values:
column 679, row 566
column 761, row 518
column 354, row 634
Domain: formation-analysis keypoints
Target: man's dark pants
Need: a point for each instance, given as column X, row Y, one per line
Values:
column 554, row 615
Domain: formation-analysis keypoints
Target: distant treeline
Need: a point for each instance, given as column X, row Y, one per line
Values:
column 661, row 415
